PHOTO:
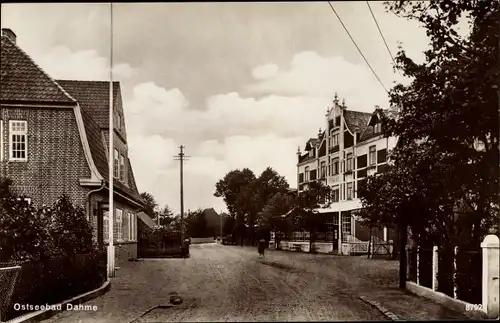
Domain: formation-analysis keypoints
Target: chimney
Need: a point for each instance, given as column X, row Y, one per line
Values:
column 7, row 32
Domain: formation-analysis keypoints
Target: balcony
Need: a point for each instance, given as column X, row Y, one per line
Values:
column 334, row 149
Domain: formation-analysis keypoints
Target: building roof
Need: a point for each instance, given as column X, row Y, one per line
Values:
column 368, row 131
column 93, row 97
column 356, row 121
column 95, row 105
column 23, row 80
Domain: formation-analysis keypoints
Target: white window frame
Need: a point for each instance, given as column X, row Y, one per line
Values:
column 349, row 162
column 306, row 174
column 116, row 164
column 373, row 161
column 130, row 226
column 336, row 170
column 27, row 199
column 119, row 225
column 350, row 191
column 335, row 140
column 105, row 226
column 122, row 168
column 17, row 132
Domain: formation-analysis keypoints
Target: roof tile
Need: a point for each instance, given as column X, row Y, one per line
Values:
column 23, row 80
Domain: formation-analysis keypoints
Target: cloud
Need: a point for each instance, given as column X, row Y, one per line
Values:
column 313, row 75
column 61, row 62
column 265, row 71
column 257, row 128
column 280, row 111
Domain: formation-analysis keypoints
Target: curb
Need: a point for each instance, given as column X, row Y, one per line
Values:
column 46, row 314
column 383, row 310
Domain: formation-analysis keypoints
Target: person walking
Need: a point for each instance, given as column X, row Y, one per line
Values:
column 262, row 247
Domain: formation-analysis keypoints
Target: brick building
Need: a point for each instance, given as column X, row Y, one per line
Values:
column 54, row 141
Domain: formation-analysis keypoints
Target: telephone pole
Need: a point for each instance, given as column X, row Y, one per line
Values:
column 181, row 157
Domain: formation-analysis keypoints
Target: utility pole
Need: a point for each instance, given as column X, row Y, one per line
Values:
column 181, row 157
column 111, row 247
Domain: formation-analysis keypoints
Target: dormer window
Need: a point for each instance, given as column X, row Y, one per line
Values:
column 311, row 153
column 377, row 128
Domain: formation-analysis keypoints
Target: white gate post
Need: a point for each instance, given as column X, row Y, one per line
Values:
column 490, row 246
column 418, row 265
column 435, row 267
column 455, row 252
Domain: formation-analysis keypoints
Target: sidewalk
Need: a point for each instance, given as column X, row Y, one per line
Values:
column 136, row 288
column 402, row 305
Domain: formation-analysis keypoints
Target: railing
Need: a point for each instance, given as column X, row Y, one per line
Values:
column 55, row 280
column 8, row 280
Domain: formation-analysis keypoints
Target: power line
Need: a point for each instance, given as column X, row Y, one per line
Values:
column 359, row 50
column 381, row 34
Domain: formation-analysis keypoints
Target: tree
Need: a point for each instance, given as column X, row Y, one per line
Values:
column 316, row 195
column 151, row 206
column 273, row 215
column 228, row 188
column 445, row 173
column 165, row 215
column 196, row 225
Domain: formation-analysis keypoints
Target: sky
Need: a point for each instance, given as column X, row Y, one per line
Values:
column 238, row 84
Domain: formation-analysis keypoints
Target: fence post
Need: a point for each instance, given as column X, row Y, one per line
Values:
column 490, row 246
column 435, row 259
column 407, row 263
column 455, row 252
column 418, row 265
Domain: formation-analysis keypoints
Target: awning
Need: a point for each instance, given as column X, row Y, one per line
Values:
column 341, row 206
column 146, row 219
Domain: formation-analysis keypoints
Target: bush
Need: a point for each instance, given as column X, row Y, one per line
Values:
column 24, row 232
column 69, row 227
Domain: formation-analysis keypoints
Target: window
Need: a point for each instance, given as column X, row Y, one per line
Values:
column 323, row 169
column 306, row 176
column 377, row 127
column 349, row 161
column 335, row 195
column 372, row 155
column 130, row 226
column 134, row 227
column 26, row 199
column 349, row 191
column 105, row 226
column 119, row 221
column 336, row 166
column 126, row 226
column 18, row 140
column 122, row 168
column 335, row 140
column 116, row 168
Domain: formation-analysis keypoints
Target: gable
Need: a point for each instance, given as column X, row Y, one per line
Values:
column 22, row 80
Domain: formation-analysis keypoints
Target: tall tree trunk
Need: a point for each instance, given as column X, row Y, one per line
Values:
column 403, row 239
